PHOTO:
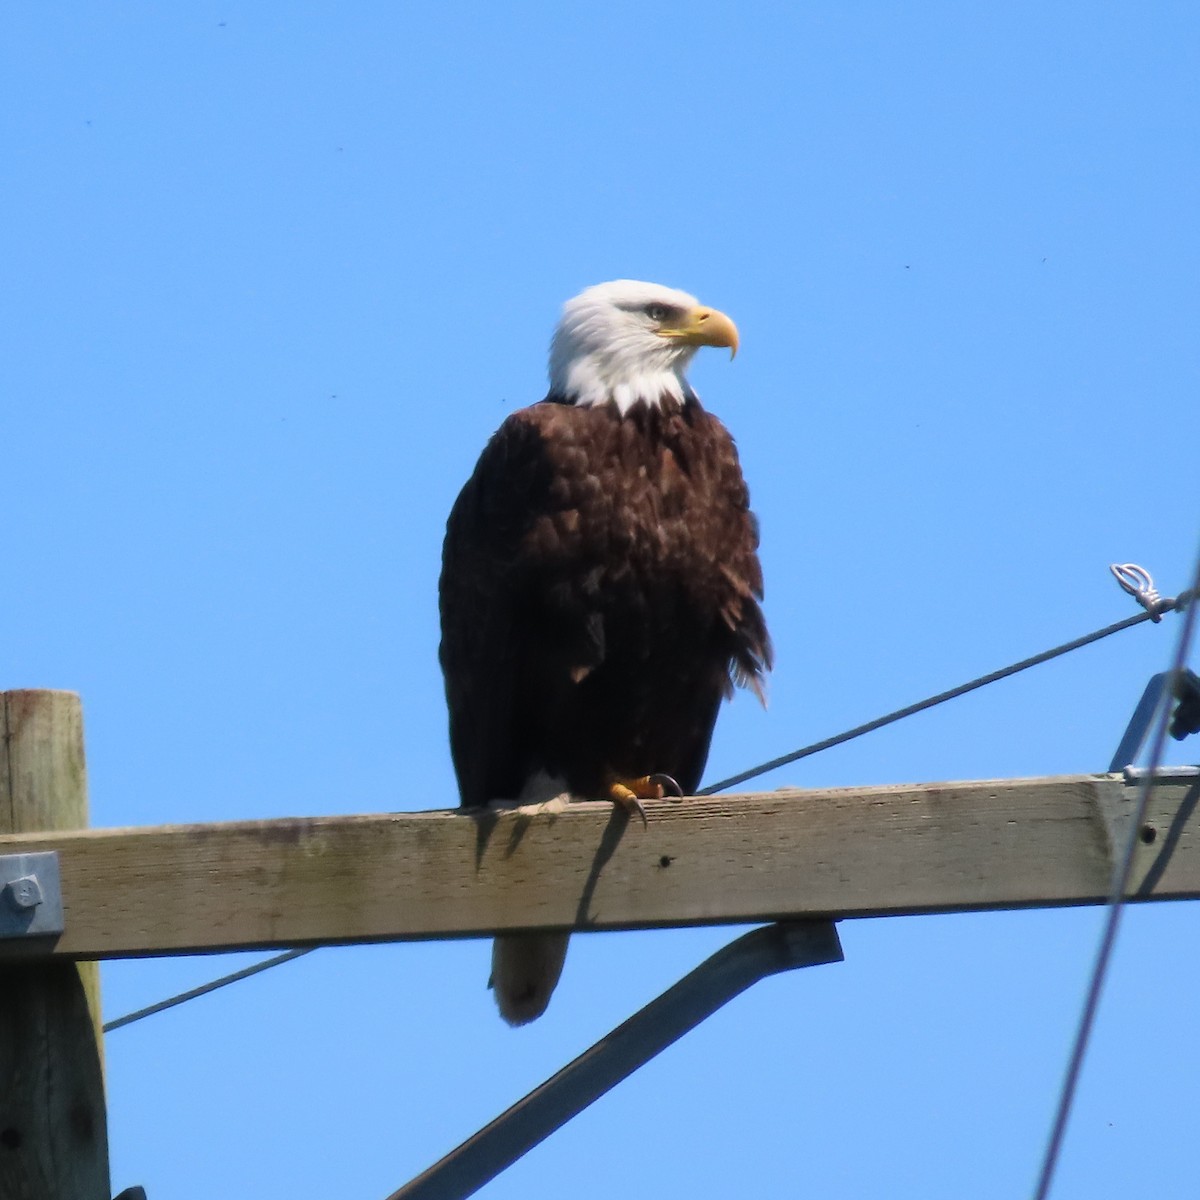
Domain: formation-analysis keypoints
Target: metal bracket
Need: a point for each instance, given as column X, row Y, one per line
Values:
column 30, row 895
column 1137, row 774
column 1138, row 728
column 762, row 952
column 1159, row 691
column 1186, row 718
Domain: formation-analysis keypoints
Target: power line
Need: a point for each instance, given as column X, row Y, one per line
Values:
column 1116, row 904
column 1143, row 593
column 205, row 988
column 932, row 701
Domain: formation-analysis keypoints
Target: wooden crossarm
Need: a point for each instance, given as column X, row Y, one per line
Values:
column 845, row 852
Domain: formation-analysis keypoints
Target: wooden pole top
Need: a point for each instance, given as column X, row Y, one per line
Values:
column 53, row 1131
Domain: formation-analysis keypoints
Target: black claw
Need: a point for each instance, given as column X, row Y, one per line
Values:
column 668, row 785
column 631, row 804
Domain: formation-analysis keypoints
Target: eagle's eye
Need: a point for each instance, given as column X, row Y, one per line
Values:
column 656, row 312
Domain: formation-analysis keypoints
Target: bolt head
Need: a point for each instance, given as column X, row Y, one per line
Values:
column 24, row 893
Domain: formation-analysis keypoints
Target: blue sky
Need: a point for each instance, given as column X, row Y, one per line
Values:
column 274, row 274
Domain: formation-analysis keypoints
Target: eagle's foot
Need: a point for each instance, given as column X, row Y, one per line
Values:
column 629, row 793
column 541, row 793
column 552, row 807
column 666, row 786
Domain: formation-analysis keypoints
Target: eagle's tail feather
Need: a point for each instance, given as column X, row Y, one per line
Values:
column 525, row 970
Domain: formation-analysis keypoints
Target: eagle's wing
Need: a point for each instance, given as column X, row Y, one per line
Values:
column 484, row 576
column 736, row 532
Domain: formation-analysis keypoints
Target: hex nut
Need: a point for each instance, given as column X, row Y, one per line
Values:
column 24, row 893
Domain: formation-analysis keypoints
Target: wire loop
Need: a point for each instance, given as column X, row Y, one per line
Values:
column 1137, row 582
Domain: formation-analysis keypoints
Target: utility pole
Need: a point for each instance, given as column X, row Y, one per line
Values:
column 53, row 1125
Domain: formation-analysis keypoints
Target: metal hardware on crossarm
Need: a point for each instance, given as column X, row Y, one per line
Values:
column 1184, row 688
column 30, row 895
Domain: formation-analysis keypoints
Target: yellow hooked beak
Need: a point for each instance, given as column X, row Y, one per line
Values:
column 702, row 326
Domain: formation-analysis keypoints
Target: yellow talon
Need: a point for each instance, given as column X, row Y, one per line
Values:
column 629, row 793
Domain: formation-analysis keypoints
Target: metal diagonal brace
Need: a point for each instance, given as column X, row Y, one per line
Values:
column 716, row 981
column 1162, row 689
column 1138, row 729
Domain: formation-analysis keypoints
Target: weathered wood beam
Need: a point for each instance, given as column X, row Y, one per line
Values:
column 846, row 852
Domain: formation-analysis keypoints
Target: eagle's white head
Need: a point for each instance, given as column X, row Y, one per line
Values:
column 627, row 341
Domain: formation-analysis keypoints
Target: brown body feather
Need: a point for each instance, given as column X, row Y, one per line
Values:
column 599, row 596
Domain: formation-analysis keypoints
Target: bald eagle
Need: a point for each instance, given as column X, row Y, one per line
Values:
column 600, row 584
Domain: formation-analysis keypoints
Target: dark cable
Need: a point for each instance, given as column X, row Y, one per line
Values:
column 1116, row 905
column 940, row 698
column 205, row 988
